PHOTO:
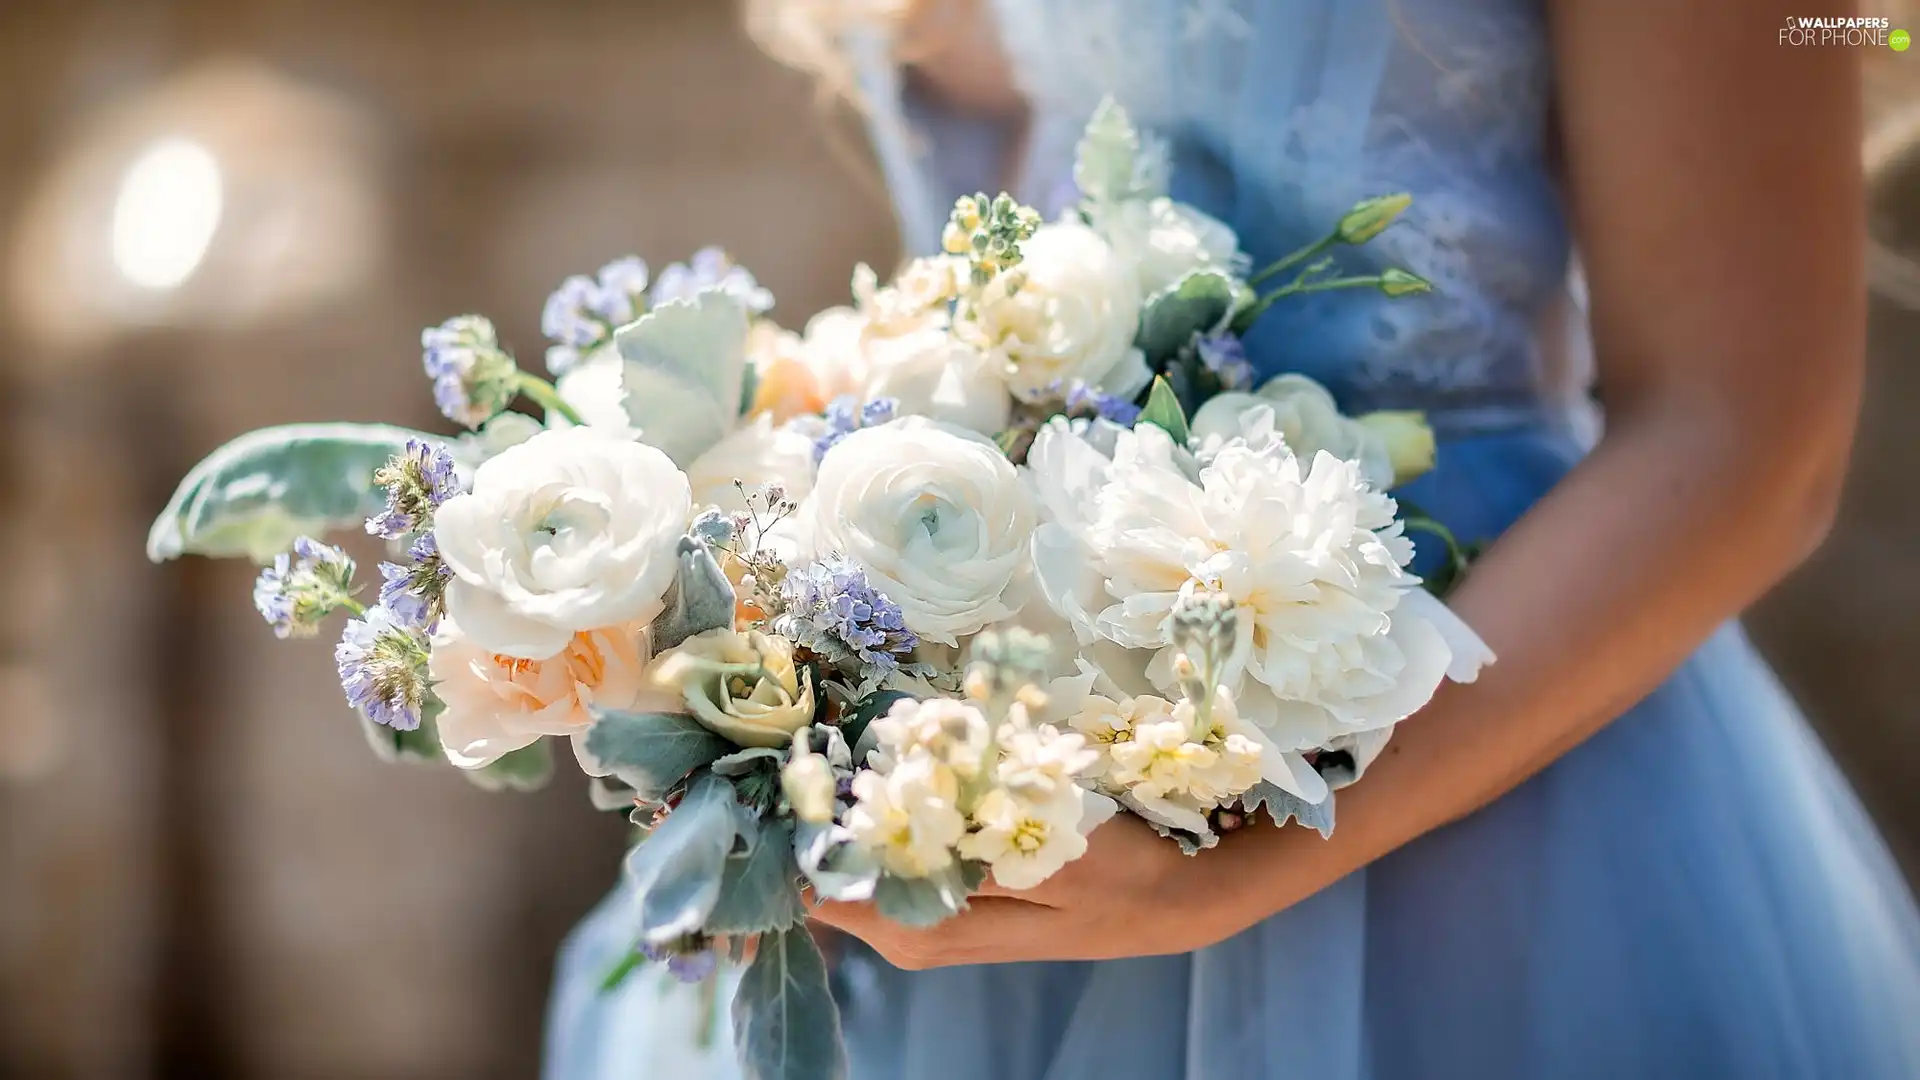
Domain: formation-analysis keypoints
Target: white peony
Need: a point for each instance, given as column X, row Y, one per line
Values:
column 755, row 454
column 572, row 530
column 1066, row 315
column 908, row 816
column 1165, row 241
column 935, row 514
column 1304, row 414
column 1335, row 637
column 496, row 704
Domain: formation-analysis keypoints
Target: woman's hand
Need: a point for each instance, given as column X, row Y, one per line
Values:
column 1132, row 894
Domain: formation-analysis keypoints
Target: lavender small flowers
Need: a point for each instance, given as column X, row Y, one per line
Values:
column 418, row 480
column 415, row 592
column 711, row 268
column 1084, row 400
column 1226, row 357
column 583, row 312
column 689, row 960
column 830, row 608
column 844, row 416
column 383, row 669
column 473, row 378
column 303, row 587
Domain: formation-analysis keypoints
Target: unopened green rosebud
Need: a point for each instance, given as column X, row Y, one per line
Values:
column 1398, row 282
column 1408, row 438
column 1369, row 216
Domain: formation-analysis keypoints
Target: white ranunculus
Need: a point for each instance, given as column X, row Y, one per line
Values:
column 1335, row 637
column 1165, row 241
column 935, row 514
column 572, row 530
column 932, row 374
column 1304, row 414
column 755, row 454
column 497, row 704
column 1066, row 315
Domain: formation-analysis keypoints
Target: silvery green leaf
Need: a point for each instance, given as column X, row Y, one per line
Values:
column 757, row 891
column 258, row 493
column 836, row 869
column 1163, row 410
column 700, row 598
column 678, row 867
column 1106, row 163
column 1199, row 303
column 785, row 1023
column 1189, row 843
column 526, row 769
column 391, row 745
column 651, row 752
column 921, row 901
column 609, row 793
column 1282, row 805
column 685, row 371
column 862, row 715
column 741, row 762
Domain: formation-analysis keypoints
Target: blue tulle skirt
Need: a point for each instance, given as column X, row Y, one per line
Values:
column 1693, row 893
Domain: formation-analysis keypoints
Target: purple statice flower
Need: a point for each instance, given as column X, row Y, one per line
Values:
column 710, row 268
column 302, row 587
column 687, row 962
column 831, row 608
column 418, row 479
column 473, row 378
column 1085, row 400
column 844, row 415
column 1226, row 356
column 383, row 669
column 415, row 591
column 583, row 312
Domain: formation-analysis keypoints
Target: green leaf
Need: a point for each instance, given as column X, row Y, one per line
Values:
column 1281, row 805
column 678, row 867
column 1107, row 160
column 757, row 891
column 1163, row 410
column 685, row 372
column 651, row 752
column 837, row 870
column 742, row 762
column 921, row 901
column 1199, row 303
column 700, row 598
column 256, row 494
column 526, row 769
column 785, row 1023
column 854, row 726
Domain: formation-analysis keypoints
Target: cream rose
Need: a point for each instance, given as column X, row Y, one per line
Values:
column 572, row 530
column 1067, row 314
column 937, row 517
column 1165, row 241
column 743, row 687
column 497, row 704
column 756, row 454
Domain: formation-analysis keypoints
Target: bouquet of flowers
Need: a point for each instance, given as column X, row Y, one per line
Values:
column 877, row 611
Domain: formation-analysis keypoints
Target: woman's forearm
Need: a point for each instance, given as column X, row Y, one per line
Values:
column 1588, row 607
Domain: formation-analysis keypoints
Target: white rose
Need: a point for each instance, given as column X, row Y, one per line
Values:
column 498, row 704
column 933, row 375
column 756, row 454
column 1306, row 419
column 572, row 530
column 1165, row 241
column 1068, row 314
column 935, row 514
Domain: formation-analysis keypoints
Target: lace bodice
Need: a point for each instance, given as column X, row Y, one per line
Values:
column 1280, row 114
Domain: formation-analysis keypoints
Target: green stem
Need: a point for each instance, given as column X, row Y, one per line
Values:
column 1290, row 261
column 1299, row 288
column 547, row 397
column 353, row 605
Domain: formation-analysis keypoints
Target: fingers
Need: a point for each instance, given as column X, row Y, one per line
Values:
column 991, row 930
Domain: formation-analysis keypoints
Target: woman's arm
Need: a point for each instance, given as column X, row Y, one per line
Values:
column 1713, row 178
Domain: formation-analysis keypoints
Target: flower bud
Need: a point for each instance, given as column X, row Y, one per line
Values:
column 1408, row 439
column 1370, row 216
column 808, row 783
column 1398, row 282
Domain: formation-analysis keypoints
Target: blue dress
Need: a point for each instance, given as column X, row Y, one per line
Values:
column 1692, row 893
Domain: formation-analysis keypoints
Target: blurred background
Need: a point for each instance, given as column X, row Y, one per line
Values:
column 220, row 214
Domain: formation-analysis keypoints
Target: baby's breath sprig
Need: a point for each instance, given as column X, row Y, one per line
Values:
column 989, row 231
